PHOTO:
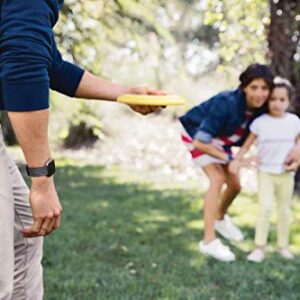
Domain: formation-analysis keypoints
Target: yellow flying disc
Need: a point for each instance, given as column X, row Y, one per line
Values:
column 134, row 99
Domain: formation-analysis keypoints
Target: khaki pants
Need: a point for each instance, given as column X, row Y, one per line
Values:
column 21, row 275
column 280, row 188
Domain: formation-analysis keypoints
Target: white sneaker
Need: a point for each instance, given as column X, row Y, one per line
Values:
column 217, row 250
column 257, row 255
column 228, row 230
column 286, row 253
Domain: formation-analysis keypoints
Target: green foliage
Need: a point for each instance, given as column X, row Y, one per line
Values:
column 136, row 42
column 242, row 31
column 89, row 30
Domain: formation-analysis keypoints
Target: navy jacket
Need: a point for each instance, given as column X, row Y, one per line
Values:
column 219, row 116
column 30, row 63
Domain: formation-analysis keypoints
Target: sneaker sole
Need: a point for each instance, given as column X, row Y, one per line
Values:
column 217, row 258
column 229, row 238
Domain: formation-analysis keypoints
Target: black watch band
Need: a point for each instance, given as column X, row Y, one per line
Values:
column 47, row 170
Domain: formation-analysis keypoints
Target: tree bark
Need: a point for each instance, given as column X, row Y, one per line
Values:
column 283, row 39
column 284, row 43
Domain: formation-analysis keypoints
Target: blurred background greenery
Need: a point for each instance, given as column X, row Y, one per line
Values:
column 193, row 48
column 121, row 237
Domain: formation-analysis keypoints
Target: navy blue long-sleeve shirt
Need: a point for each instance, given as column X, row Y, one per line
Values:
column 30, row 63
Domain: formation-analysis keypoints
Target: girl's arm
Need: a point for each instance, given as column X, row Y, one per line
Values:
column 236, row 164
column 246, row 146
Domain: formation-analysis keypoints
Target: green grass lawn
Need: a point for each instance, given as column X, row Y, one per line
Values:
column 124, row 239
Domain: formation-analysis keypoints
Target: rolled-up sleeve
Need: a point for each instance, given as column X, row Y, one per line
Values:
column 212, row 125
column 203, row 136
column 64, row 76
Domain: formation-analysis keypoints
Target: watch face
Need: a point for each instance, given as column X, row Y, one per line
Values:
column 51, row 168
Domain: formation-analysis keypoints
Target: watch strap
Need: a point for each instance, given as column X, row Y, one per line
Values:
column 47, row 170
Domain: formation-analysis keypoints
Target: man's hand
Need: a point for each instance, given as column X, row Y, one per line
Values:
column 146, row 109
column 46, row 208
column 94, row 87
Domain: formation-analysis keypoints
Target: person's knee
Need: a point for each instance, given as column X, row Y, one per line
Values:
column 266, row 211
column 235, row 186
column 284, row 215
column 218, row 180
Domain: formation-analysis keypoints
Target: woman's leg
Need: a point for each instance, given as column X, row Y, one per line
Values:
column 223, row 223
column 216, row 176
column 233, row 188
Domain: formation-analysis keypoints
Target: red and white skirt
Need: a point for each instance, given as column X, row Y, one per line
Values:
column 201, row 159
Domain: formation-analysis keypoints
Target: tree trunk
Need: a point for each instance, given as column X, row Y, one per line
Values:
column 283, row 38
column 284, row 42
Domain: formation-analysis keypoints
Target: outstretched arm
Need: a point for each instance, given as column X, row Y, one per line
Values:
column 94, row 87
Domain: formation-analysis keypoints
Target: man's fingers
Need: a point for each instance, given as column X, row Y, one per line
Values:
column 156, row 92
column 56, row 222
column 43, row 226
column 46, row 227
column 33, row 230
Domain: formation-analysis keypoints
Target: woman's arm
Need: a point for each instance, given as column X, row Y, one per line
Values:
column 210, row 150
column 293, row 159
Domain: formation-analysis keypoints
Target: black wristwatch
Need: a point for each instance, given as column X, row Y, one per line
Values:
column 47, row 170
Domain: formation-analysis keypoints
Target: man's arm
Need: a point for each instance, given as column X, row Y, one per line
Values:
column 94, row 87
column 31, row 129
column 71, row 80
column 27, row 43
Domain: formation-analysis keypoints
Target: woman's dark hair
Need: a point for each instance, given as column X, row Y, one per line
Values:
column 257, row 71
column 284, row 83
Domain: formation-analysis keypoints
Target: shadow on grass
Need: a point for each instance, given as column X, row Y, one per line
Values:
column 130, row 241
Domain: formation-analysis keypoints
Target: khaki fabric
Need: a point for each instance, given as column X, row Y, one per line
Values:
column 21, row 275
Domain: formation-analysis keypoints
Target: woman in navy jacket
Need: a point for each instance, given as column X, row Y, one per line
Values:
column 209, row 131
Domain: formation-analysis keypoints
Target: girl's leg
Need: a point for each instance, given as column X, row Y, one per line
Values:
column 216, row 178
column 285, row 188
column 233, row 188
column 265, row 199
